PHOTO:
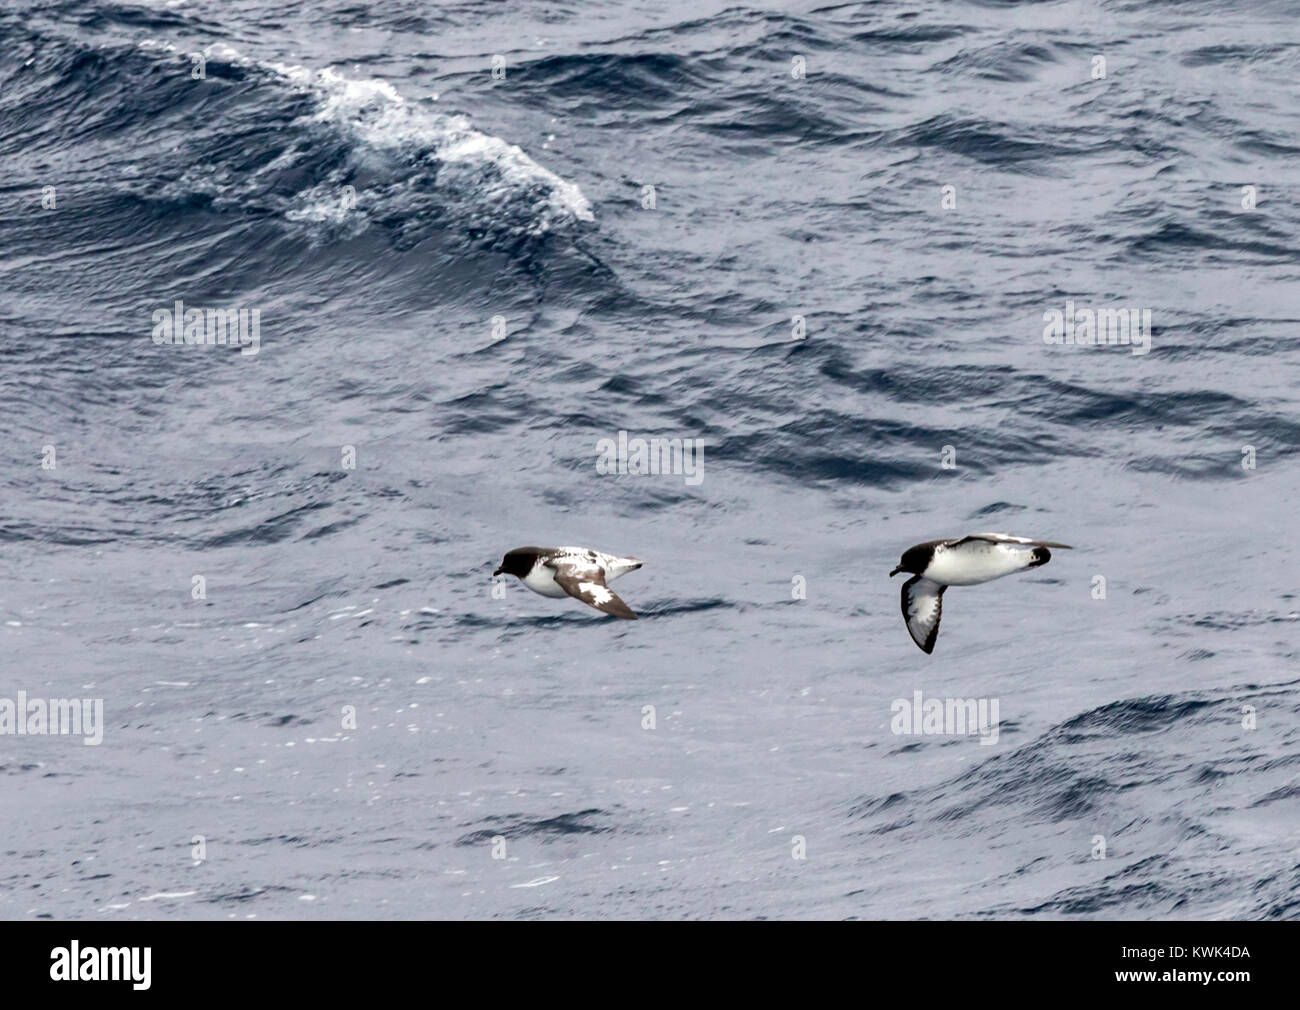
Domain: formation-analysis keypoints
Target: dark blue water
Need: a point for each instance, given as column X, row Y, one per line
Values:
column 355, row 173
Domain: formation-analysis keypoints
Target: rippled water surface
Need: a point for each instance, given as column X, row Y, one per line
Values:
column 466, row 281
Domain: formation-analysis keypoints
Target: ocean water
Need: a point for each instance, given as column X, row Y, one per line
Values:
column 466, row 280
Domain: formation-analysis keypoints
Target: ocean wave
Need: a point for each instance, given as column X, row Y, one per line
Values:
column 497, row 172
column 252, row 138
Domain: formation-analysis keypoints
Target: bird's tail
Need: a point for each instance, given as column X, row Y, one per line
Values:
column 614, row 567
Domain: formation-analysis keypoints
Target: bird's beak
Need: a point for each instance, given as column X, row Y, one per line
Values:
column 895, row 571
column 496, row 573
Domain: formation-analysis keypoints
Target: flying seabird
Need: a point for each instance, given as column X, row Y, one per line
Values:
column 579, row 572
column 965, row 561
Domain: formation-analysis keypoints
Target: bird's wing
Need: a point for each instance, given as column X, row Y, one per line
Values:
column 585, row 581
column 922, row 607
column 1007, row 538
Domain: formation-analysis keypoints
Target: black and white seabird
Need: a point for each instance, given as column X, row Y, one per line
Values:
column 579, row 572
column 966, row 561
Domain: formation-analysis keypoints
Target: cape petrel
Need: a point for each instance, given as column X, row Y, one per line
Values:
column 579, row 572
column 965, row 561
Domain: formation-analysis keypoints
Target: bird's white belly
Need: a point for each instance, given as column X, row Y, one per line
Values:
column 542, row 580
column 973, row 563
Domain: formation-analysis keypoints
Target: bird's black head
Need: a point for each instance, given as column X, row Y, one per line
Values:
column 915, row 560
column 518, row 562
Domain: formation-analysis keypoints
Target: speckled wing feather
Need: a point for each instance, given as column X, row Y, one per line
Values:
column 585, row 581
column 922, row 602
column 1007, row 538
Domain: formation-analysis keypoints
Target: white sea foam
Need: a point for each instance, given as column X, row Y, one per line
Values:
column 378, row 116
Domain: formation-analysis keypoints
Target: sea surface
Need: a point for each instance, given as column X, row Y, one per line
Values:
column 822, row 240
